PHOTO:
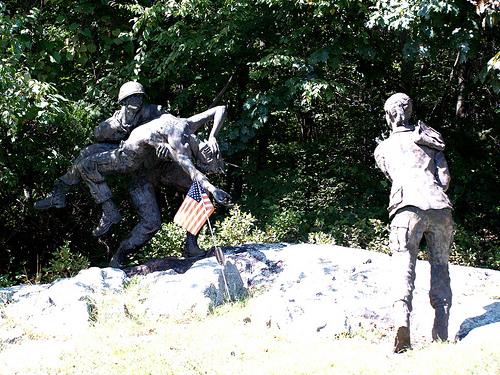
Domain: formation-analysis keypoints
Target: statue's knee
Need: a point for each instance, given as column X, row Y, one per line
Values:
column 440, row 296
column 78, row 165
column 84, row 167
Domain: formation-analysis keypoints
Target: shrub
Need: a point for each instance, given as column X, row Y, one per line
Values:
column 320, row 238
column 64, row 263
column 169, row 241
column 236, row 229
column 6, row 281
column 286, row 226
column 370, row 234
column 472, row 249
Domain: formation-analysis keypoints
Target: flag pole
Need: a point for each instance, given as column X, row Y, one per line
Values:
column 219, row 255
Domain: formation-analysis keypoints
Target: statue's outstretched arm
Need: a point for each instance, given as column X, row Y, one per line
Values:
column 217, row 114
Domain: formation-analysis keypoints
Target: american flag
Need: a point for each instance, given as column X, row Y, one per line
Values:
column 195, row 210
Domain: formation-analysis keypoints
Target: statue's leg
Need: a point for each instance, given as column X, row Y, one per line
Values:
column 57, row 198
column 439, row 238
column 110, row 216
column 91, row 170
column 406, row 233
column 191, row 248
column 144, row 200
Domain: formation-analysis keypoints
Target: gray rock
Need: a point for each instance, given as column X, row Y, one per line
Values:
column 177, row 295
column 64, row 307
column 67, row 291
column 230, row 286
column 18, row 292
column 302, row 289
column 108, row 279
column 489, row 317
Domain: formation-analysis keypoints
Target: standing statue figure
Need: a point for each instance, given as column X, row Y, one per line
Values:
column 169, row 137
column 412, row 159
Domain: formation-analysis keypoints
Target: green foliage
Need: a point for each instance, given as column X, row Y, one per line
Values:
column 64, row 263
column 491, row 73
column 168, row 242
column 321, row 238
column 286, row 226
column 5, row 281
column 370, row 234
column 236, row 229
column 312, row 193
column 465, row 248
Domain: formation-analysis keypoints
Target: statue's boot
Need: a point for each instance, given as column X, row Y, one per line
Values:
column 440, row 328
column 191, row 248
column 118, row 258
column 402, row 341
column 56, row 199
column 110, row 216
column 126, row 247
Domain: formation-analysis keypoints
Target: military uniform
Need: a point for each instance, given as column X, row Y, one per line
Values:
column 109, row 133
column 117, row 128
column 145, row 171
column 412, row 158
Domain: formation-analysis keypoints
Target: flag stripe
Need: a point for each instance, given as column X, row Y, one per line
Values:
column 197, row 219
column 196, row 225
column 193, row 219
column 185, row 215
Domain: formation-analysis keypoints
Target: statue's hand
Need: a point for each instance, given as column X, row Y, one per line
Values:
column 214, row 146
column 162, row 150
column 222, row 197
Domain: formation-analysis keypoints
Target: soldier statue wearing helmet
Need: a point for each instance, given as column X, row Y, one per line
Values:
column 109, row 133
column 132, row 114
column 168, row 137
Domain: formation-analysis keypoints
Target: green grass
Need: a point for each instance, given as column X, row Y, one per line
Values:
column 231, row 340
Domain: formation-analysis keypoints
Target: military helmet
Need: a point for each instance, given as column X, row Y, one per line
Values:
column 130, row 88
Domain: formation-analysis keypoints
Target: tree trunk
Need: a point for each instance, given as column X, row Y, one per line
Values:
column 462, row 75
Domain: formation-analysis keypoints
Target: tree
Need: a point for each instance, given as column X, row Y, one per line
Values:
column 304, row 81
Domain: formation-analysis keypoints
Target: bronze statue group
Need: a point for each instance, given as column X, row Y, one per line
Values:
column 152, row 147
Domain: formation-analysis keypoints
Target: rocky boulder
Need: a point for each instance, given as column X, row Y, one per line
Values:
column 303, row 289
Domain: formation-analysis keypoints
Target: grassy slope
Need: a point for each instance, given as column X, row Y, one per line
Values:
column 231, row 340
